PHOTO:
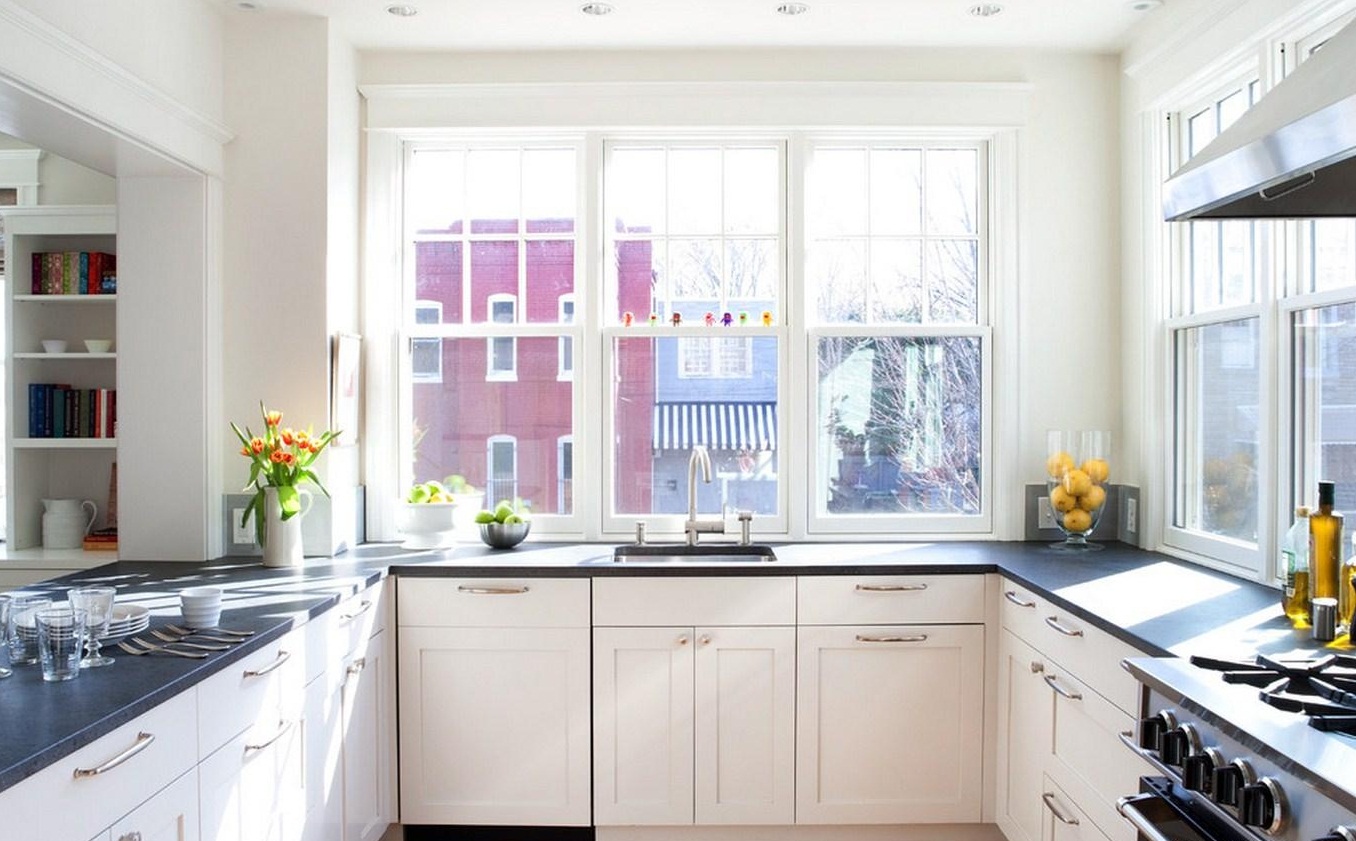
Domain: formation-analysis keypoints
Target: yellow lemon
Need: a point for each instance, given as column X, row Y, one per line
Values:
column 1059, row 464
column 1092, row 500
column 1078, row 520
column 1097, row 469
column 1077, row 482
column 1061, row 500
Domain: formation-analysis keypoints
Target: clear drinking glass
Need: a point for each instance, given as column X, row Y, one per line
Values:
column 4, row 625
column 61, row 638
column 97, row 602
column 20, row 634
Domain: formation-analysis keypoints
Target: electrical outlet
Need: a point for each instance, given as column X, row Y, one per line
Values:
column 1045, row 516
column 1131, row 515
column 242, row 535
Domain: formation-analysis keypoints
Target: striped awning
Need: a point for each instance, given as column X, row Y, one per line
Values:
column 717, row 426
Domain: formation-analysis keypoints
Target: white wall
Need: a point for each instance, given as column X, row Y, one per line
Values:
column 66, row 182
column 1068, row 247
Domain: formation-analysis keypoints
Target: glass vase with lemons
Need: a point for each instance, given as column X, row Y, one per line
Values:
column 1077, row 468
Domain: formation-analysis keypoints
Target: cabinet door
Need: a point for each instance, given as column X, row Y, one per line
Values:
column 642, row 726
column 1025, row 715
column 745, row 721
column 322, row 727
column 889, row 724
column 253, row 788
column 171, row 815
column 367, row 751
column 494, row 726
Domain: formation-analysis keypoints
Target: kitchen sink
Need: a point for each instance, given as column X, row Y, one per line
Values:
column 713, row 553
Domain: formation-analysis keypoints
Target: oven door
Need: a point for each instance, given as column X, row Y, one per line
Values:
column 1164, row 812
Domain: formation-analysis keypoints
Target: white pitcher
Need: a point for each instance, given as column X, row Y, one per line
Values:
column 65, row 522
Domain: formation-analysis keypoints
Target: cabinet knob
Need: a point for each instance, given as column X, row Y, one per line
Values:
column 683, row 640
column 704, row 639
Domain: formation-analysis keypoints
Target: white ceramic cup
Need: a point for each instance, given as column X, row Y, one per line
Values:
column 54, row 345
column 201, row 606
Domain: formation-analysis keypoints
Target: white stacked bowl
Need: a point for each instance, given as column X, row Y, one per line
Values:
column 201, row 606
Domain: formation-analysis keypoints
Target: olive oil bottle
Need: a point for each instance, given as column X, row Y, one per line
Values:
column 1325, row 548
column 1295, row 569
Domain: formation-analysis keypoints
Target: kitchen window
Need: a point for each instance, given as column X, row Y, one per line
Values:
column 737, row 272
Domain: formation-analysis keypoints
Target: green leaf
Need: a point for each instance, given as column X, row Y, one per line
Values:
column 289, row 500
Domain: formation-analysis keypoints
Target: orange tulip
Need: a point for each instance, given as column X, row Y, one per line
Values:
column 245, row 451
column 273, row 418
column 289, row 459
column 257, row 444
column 276, row 457
column 302, row 437
column 287, row 437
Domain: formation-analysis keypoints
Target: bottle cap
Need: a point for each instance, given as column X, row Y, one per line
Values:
column 1325, row 619
column 1326, row 493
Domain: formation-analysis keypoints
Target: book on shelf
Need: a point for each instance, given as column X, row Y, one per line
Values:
column 55, row 410
column 102, row 540
column 73, row 273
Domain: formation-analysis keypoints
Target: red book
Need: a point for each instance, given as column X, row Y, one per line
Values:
column 96, row 272
column 36, row 281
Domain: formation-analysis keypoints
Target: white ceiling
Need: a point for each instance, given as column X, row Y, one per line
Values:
column 1093, row 25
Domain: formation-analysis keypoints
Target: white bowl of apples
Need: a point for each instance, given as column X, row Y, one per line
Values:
column 427, row 517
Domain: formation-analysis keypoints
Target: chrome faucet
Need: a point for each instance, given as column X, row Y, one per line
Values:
column 693, row 526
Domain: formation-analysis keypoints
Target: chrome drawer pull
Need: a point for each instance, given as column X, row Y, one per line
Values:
column 912, row 638
column 357, row 666
column 282, row 657
column 1049, row 798
column 1137, row 819
column 1053, row 682
column 1053, row 622
column 365, row 606
column 492, row 591
column 284, row 727
column 143, row 741
column 890, row 588
column 1011, row 595
column 1037, row 667
column 131, row 836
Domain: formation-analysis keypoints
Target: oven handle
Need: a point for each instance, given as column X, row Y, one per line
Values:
column 1126, row 806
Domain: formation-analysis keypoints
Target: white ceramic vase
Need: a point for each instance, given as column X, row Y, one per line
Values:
column 282, row 538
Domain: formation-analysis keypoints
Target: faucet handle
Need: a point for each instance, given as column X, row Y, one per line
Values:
column 745, row 527
column 640, row 532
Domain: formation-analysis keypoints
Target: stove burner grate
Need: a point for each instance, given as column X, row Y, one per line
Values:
column 1322, row 688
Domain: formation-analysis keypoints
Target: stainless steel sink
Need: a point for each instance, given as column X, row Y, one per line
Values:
column 713, row 553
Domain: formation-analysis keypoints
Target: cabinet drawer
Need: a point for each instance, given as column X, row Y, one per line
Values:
column 1088, row 760
column 343, row 630
column 1090, row 654
column 655, row 602
column 155, row 747
column 494, row 602
column 1064, row 821
column 890, row 599
column 254, row 692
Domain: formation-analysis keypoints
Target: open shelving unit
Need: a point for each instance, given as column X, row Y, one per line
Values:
column 40, row 468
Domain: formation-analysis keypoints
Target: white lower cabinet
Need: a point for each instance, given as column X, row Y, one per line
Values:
column 1064, row 821
column 890, row 724
column 171, row 815
column 494, row 725
column 1025, row 728
column 367, row 724
column 254, row 787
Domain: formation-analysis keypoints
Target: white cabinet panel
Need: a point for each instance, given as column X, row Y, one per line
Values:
column 494, row 726
column 687, row 601
column 254, row 787
column 890, row 725
column 745, row 720
column 367, row 717
column 1024, row 737
column 494, row 602
column 171, row 815
column 889, row 599
column 643, row 727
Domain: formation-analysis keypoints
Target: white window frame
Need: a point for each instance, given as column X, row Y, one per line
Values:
column 460, row 115
column 493, row 374
column 492, row 500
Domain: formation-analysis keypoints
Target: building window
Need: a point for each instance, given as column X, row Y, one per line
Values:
column 501, row 469
column 426, row 354
column 566, row 343
column 565, row 474
column 722, row 358
column 501, row 355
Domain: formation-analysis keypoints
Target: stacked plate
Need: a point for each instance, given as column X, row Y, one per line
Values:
column 127, row 619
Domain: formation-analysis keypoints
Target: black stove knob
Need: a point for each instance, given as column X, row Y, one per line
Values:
column 1151, row 732
column 1225, row 784
column 1198, row 773
column 1174, row 747
column 1262, row 805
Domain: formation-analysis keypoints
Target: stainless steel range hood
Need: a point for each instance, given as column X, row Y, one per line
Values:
column 1292, row 155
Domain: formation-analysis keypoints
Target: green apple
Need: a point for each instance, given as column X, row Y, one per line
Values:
column 484, row 517
column 503, row 511
column 512, row 519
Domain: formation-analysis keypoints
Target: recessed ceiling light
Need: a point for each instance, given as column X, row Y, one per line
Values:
column 1144, row 5
column 985, row 10
column 792, row 9
column 402, row 10
column 597, row 9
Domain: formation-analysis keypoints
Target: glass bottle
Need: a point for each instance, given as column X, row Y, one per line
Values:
column 1325, row 547
column 1295, row 568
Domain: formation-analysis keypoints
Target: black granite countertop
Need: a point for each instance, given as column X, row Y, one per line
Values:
column 1157, row 604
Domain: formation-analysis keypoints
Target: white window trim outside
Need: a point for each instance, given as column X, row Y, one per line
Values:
column 474, row 113
column 493, row 374
column 428, row 376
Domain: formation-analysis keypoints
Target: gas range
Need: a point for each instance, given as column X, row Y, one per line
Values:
column 1238, row 756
